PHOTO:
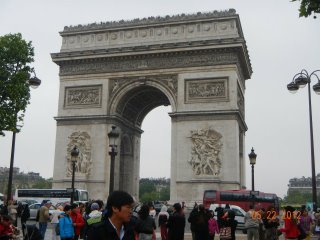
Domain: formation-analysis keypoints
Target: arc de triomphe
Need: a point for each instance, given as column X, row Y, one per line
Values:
column 115, row 73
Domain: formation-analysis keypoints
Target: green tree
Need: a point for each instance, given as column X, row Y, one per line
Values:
column 308, row 7
column 165, row 194
column 146, row 187
column 15, row 56
column 296, row 197
column 43, row 183
column 149, row 196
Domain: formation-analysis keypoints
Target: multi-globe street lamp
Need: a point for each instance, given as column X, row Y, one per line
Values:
column 74, row 158
column 34, row 82
column 300, row 80
column 113, row 135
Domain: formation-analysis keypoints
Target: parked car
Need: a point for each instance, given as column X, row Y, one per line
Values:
column 28, row 201
column 239, row 212
column 34, row 209
column 157, row 207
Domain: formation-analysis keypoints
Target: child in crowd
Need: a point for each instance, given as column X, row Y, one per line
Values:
column 212, row 225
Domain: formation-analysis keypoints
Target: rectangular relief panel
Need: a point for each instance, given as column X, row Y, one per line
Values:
column 83, row 97
column 206, row 90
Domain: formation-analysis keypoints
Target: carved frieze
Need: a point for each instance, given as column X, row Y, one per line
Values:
column 83, row 97
column 206, row 147
column 206, row 90
column 84, row 162
column 148, row 62
column 170, row 81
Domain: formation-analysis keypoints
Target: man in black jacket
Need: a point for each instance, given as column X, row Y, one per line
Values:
column 115, row 225
column 192, row 218
column 176, row 223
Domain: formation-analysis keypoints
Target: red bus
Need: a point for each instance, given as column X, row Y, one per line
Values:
column 241, row 198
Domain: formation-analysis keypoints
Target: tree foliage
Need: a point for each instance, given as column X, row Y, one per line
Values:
column 298, row 197
column 146, row 187
column 22, row 180
column 308, row 7
column 15, row 56
column 154, row 189
column 148, row 197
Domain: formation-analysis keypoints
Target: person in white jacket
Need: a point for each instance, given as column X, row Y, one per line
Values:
column 55, row 222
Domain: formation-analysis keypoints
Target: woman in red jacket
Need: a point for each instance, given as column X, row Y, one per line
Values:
column 77, row 219
column 291, row 230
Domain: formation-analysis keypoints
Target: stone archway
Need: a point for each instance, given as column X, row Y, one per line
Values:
column 116, row 73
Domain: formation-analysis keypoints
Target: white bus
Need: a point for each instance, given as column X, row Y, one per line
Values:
column 54, row 195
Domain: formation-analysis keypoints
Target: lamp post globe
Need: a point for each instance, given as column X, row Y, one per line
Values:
column 252, row 157
column 293, row 87
column 316, row 88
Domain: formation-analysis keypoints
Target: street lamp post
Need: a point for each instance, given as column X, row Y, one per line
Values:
column 252, row 158
column 300, row 80
column 74, row 157
column 113, row 135
column 34, row 82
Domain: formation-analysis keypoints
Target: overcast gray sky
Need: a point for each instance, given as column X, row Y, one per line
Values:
column 280, row 44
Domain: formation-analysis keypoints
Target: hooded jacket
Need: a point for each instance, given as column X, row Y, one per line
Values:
column 66, row 226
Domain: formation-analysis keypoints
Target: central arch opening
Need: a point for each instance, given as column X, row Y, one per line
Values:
column 156, row 144
column 146, row 154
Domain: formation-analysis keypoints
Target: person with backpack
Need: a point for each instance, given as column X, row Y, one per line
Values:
column 163, row 218
column 145, row 224
column 44, row 218
column 24, row 214
column 191, row 219
column 66, row 225
column 94, row 217
column 176, row 223
column 201, row 224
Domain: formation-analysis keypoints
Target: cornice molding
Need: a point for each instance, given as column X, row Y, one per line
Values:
column 210, row 115
column 98, row 119
column 168, row 60
column 149, row 20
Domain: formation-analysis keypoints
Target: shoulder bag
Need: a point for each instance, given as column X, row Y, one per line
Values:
column 225, row 233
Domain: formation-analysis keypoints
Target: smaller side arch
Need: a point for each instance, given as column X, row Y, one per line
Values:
column 126, row 147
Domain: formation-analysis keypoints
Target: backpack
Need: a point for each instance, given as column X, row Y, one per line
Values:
column 38, row 215
column 162, row 219
column 94, row 228
column 25, row 212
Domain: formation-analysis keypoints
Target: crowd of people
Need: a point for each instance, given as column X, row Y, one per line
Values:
column 121, row 218
column 267, row 224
